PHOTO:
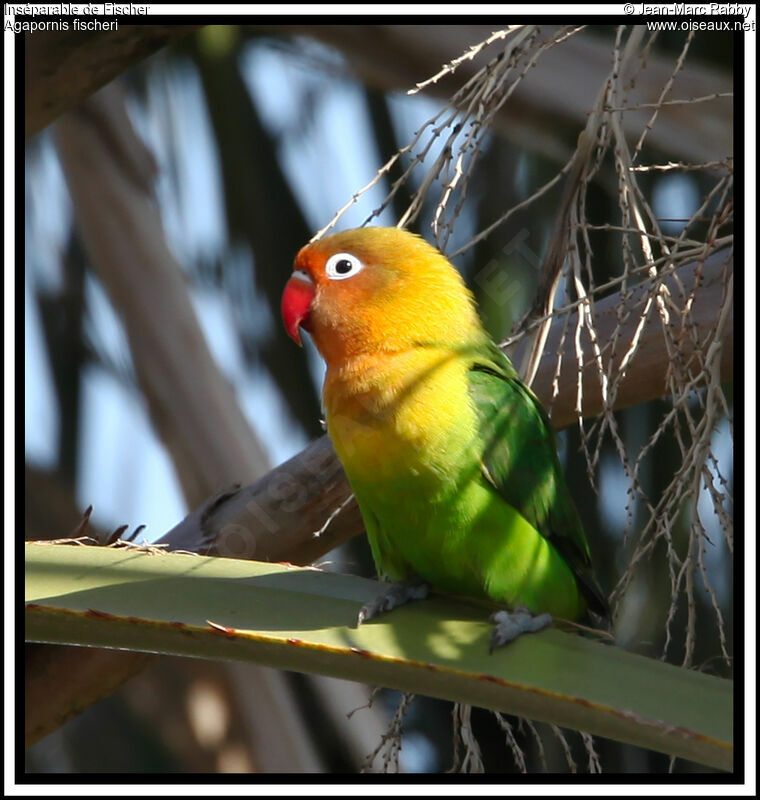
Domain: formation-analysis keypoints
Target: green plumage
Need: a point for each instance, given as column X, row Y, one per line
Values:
column 473, row 501
column 520, row 462
column 450, row 456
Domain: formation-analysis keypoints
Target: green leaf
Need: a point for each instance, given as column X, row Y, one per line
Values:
column 303, row 619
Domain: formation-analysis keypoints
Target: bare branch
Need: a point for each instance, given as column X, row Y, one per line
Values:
column 63, row 68
column 276, row 517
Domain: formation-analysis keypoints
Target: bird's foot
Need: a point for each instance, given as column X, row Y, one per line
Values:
column 511, row 624
column 395, row 595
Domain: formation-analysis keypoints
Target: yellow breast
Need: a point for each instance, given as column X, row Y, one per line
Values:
column 406, row 413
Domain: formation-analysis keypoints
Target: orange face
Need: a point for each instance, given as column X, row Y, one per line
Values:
column 336, row 285
column 372, row 290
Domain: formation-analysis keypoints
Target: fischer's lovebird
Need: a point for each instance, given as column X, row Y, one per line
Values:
column 450, row 456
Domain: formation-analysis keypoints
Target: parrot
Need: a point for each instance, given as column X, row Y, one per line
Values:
column 450, row 455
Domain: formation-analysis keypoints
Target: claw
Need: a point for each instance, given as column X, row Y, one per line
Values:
column 396, row 595
column 510, row 625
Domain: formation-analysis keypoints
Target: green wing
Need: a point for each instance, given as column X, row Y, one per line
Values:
column 520, row 461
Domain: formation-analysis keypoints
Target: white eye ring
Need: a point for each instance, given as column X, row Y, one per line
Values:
column 342, row 265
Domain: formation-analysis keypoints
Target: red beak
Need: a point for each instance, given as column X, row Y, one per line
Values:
column 296, row 304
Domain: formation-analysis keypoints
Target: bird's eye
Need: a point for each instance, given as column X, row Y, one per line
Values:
column 342, row 265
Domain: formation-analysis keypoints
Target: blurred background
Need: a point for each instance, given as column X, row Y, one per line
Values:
column 259, row 135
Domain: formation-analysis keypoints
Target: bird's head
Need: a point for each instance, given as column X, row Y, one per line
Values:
column 370, row 290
